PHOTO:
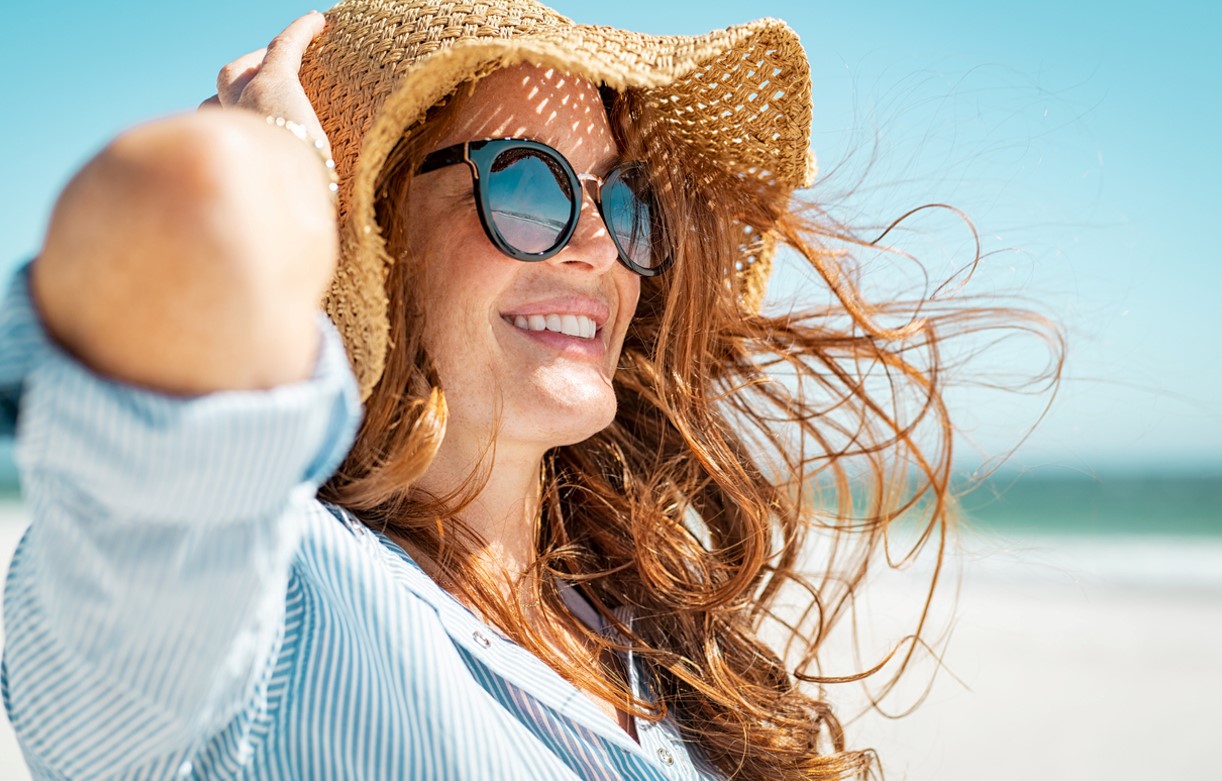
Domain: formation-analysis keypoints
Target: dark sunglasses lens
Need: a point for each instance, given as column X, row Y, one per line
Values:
column 530, row 199
column 631, row 216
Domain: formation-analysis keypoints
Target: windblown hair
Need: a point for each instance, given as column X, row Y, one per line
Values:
column 741, row 440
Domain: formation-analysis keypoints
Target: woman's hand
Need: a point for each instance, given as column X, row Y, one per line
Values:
column 190, row 255
column 266, row 81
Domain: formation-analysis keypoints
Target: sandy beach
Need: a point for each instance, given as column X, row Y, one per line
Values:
column 1066, row 666
column 1071, row 658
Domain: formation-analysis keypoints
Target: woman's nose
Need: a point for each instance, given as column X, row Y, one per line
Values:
column 591, row 243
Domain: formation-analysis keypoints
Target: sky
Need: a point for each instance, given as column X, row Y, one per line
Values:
column 1079, row 138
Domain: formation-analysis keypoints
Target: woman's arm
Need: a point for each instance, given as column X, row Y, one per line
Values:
column 191, row 254
column 171, row 436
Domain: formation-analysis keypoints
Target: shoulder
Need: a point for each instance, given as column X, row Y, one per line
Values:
column 356, row 567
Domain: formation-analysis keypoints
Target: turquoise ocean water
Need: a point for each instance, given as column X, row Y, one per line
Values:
column 1156, row 504
column 1108, row 505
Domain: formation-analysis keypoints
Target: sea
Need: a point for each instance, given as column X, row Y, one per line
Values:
column 1129, row 503
column 1151, row 529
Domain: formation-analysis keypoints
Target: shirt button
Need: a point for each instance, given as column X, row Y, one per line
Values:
column 665, row 756
column 185, row 769
column 481, row 639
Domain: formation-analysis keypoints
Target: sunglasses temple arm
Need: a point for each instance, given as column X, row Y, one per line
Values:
column 451, row 155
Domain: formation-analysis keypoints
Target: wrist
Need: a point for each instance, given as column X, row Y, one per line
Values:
column 319, row 146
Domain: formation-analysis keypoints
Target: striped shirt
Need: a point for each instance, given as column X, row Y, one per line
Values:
column 182, row 606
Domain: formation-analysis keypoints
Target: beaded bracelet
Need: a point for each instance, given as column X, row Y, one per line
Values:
column 317, row 145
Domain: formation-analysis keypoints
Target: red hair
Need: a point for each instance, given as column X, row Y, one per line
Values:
column 739, row 437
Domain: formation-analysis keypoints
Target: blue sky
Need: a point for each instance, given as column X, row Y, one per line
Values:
column 1080, row 138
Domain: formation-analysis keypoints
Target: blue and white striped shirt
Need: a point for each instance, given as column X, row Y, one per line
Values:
column 183, row 607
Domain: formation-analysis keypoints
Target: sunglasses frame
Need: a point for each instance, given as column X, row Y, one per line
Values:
column 480, row 154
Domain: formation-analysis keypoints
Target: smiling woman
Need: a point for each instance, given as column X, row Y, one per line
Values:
column 582, row 486
column 536, row 388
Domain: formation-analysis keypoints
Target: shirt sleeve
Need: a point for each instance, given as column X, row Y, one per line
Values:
column 147, row 598
column 22, row 340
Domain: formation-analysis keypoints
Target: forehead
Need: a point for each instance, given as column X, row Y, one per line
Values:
column 543, row 104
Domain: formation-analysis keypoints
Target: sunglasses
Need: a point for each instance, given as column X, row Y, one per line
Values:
column 529, row 200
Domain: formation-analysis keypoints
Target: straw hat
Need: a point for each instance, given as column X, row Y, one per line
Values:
column 739, row 96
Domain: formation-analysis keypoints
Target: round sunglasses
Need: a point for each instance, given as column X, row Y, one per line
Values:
column 528, row 198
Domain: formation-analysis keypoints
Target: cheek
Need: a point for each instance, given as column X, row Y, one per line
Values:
column 628, row 290
column 464, row 278
column 451, row 295
column 632, row 292
column 456, row 282
column 456, row 273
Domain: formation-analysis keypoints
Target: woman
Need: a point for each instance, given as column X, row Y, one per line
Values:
column 578, row 488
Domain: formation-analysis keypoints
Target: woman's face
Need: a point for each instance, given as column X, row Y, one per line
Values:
column 505, row 379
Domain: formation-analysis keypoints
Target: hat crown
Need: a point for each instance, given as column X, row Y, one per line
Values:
column 738, row 98
column 370, row 45
column 409, row 29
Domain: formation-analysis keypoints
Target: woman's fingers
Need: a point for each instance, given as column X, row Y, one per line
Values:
column 266, row 81
column 284, row 52
column 233, row 78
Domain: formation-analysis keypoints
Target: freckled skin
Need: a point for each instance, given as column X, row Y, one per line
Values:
column 526, row 392
column 518, row 390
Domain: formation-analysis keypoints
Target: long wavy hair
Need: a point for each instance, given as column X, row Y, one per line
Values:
column 742, row 441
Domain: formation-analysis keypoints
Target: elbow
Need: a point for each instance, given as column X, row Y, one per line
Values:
column 214, row 194
column 190, row 255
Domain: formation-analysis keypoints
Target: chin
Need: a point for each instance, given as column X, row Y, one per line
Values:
column 577, row 437
column 560, row 407
column 568, row 423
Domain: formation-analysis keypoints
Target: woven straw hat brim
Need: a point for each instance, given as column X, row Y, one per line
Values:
column 739, row 96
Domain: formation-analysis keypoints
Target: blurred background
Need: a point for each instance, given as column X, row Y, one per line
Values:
column 1080, row 140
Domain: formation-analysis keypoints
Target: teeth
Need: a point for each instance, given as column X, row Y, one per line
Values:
column 570, row 325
